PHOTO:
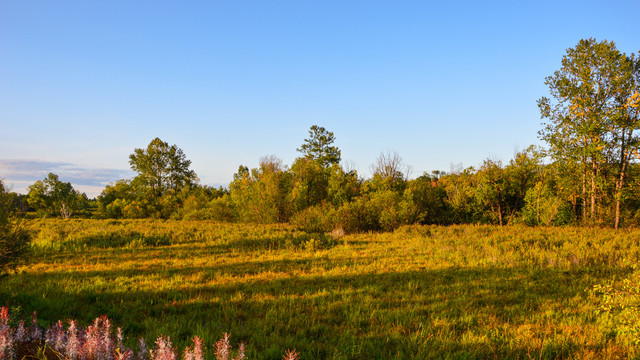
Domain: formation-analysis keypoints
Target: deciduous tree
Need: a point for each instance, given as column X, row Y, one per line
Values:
column 162, row 168
column 51, row 194
column 584, row 113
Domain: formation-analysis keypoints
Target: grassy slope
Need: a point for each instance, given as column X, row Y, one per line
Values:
column 421, row 292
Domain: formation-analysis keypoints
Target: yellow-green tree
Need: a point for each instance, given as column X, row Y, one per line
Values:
column 586, row 123
column 261, row 195
column 162, row 168
column 51, row 195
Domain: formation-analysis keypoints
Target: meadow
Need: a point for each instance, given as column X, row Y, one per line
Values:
column 420, row 292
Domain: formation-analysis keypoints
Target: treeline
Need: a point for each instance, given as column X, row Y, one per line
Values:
column 588, row 174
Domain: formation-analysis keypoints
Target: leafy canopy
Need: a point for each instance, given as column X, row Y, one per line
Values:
column 162, row 168
column 14, row 240
column 318, row 147
column 51, row 195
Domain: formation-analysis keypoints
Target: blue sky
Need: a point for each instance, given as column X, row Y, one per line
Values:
column 83, row 83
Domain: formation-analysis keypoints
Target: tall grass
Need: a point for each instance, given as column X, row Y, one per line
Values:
column 419, row 292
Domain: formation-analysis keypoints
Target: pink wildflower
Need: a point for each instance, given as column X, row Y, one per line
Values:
column 223, row 348
column 194, row 352
column 35, row 333
column 91, row 346
column 73, row 342
column 56, row 337
column 6, row 335
column 241, row 355
column 163, row 350
column 21, row 333
column 6, row 342
column 291, row 355
column 106, row 350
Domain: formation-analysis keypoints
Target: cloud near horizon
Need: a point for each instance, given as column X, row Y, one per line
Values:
column 22, row 173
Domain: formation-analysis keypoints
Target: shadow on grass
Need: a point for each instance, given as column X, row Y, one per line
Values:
column 127, row 240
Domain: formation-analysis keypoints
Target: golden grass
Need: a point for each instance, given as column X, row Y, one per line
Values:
column 420, row 292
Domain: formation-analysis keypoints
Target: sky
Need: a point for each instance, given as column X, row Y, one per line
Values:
column 445, row 84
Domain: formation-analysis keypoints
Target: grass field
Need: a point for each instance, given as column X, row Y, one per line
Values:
column 459, row 292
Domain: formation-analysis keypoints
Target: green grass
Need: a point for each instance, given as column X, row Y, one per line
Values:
column 459, row 292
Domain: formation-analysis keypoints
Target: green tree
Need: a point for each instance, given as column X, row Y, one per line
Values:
column 584, row 113
column 523, row 172
column 544, row 207
column 114, row 198
column 309, row 183
column 342, row 186
column 428, row 195
column 460, row 187
column 162, row 168
column 493, row 188
column 51, row 194
column 625, row 125
column 261, row 195
column 14, row 240
column 318, row 147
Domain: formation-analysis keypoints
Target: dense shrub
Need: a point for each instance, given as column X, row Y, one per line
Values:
column 316, row 219
column 544, row 207
column 620, row 303
column 14, row 240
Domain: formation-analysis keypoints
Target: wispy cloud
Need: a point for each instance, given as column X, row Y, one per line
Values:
column 22, row 173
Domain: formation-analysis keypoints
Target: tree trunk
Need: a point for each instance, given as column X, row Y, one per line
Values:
column 624, row 160
column 584, row 194
column 538, row 208
column 594, row 170
column 499, row 208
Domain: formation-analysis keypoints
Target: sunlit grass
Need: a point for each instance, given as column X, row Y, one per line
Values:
column 420, row 292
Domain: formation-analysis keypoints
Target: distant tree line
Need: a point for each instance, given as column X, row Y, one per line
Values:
column 587, row 175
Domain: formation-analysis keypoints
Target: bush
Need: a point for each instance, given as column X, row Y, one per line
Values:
column 620, row 304
column 358, row 215
column 382, row 210
column 316, row 219
column 14, row 240
column 544, row 207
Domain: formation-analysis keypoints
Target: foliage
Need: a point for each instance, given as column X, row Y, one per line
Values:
column 14, row 240
column 342, row 185
column 51, row 194
column 389, row 173
column 262, row 194
column 316, row 219
column 428, row 197
column 460, row 187
column 588, row 123
column 493, row 187
column 309, row 183
column 318, row 147
column 162, row 168
column 621, row 302
column 544, row 207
